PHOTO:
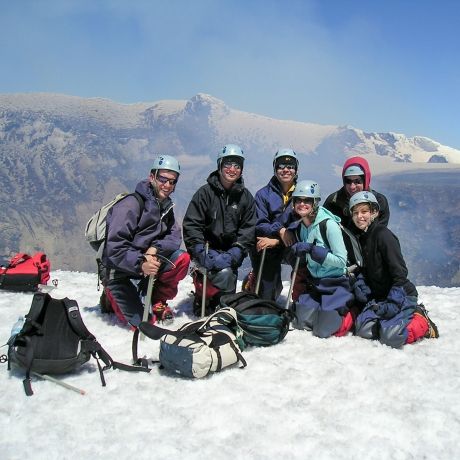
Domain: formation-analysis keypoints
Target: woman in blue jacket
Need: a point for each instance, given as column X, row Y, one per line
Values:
column 323, row 309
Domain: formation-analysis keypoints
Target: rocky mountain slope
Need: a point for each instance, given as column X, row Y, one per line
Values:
column 62, row 157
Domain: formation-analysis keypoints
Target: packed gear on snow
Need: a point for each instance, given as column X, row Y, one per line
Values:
column 54, row 340
column 96, row 227
column 25, row 273
column 199, row 347
column 263, row 322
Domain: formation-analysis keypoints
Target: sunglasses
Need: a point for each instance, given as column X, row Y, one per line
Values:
column 285, row 166
column 163, row 180
column 231, row 164
column 358, row 181
column 303, row 200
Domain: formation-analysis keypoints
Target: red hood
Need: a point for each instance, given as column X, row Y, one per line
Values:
column 362, row 162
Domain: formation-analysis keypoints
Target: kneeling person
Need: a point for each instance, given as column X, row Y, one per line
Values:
column 143, row 243
column 219, row 228
column 324, row 308
column 391, row 313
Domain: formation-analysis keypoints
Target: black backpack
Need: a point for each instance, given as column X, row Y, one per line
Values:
column 54, row 340
column 263, row 322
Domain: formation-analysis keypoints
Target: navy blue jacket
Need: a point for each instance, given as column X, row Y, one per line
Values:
column 130, row 234
column 270, row 207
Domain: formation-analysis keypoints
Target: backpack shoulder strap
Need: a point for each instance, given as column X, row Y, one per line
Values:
column 323, row 231
column 355, row 245
column 75, row 320
column 38, row 303
column 140, row 200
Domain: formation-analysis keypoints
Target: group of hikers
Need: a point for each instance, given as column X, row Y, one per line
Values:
column 283, row 224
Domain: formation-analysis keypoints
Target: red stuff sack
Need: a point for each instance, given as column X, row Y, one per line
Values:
column 25, row 273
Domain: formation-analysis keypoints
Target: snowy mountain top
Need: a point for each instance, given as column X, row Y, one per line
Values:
column 337, row 398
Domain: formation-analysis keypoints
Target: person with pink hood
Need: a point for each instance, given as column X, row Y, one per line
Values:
column 356, row 176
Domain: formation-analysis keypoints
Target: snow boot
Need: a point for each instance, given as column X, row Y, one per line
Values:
column 432, row 328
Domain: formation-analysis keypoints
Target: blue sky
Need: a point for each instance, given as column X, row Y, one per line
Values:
column 378, row 65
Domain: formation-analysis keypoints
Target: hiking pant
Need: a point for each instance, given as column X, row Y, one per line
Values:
column 404, row 327
column 125, row 293
column 324, row 309
column 270, row 282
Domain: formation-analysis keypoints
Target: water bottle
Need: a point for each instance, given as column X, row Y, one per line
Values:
column 17, row 327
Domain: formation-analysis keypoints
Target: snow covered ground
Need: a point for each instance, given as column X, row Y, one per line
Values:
column 338, row 398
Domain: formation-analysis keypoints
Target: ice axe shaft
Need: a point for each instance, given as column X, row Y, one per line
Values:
column 205, row 282
column 261, row 267
column 291, row 286
column 59, row 382
column 148, row 302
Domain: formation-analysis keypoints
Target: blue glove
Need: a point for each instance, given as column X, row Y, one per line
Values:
column 237, row 256
column 397, row 295
column 301, row 249
column 206, row 261
column 318, row 254
column 361, row 290
column 384, row 309
column 221, row 261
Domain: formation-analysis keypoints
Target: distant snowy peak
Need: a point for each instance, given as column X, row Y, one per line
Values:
column 400, row 148
column 204, row 113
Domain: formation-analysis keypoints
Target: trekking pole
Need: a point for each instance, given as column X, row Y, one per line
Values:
column 261, row 267
column 205, row 282
column 148, row 302
column 293, row 277
column 58, row 382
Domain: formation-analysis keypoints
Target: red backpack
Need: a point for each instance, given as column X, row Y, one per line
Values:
column 25, row 273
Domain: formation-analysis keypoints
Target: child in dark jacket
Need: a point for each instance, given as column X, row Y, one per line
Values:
column 391, row 313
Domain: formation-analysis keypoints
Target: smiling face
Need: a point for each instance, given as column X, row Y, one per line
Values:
column 353, row 184
column 163, row 182
column 230, row 171
column 285, row 173
column 304, row 206
column 363, row 215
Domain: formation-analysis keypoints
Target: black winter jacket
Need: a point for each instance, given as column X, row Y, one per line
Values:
column 383, row 262
column 222, row 218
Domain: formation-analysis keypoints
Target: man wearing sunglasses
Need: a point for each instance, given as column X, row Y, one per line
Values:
column 219, row 228
column 356, row 176
column 272, row 237
column 143, row 240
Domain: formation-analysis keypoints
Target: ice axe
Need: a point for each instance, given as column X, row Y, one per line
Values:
column 293, row 277
column 261, row 267
column 205, row 282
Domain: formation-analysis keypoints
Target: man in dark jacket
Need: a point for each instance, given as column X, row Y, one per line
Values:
column 356, row 176
column 144, row 241
column 272, row 237
column 219, row 228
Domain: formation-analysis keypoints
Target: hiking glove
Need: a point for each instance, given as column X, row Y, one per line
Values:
column 301, row 249
column 222, row 260
column 318, row 254
column 361, row 290
column 237, row 255
column 384, row 309
column 205, row 260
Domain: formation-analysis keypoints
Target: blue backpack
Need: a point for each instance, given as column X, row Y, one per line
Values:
column 263, row 322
